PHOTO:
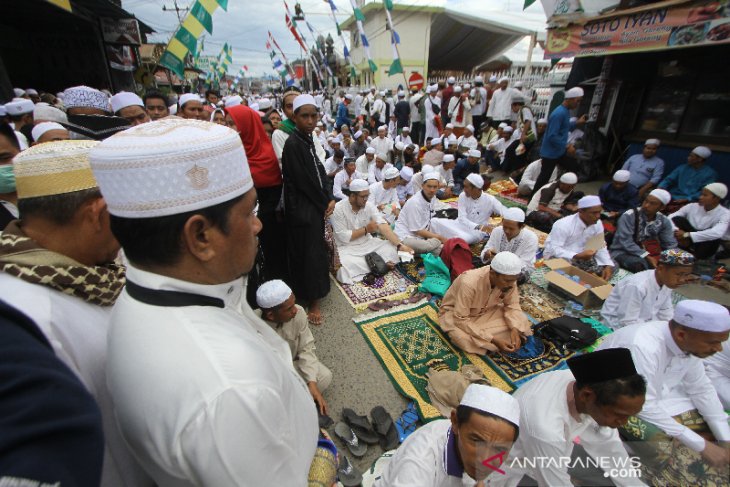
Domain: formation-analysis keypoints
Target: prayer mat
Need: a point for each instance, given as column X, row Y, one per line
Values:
column 511, row 201
column 413, row 271
column 410, row 341
column 392, row 286
column 666, row 461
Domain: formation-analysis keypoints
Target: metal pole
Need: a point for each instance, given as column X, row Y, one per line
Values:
column 528, row 63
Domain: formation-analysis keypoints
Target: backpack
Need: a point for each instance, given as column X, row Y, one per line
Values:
column 568, row 332
column 376, row 264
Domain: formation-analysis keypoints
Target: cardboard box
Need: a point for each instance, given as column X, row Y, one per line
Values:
column 564, row 286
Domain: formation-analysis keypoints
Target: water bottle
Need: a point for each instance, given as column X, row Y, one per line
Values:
column 570, row 309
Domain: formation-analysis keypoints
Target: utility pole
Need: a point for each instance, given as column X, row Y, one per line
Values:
column 176, row 9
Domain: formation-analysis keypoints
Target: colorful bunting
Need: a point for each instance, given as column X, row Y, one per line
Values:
column 359, row 17
column 395, row 67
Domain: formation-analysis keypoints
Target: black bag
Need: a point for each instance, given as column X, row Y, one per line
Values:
column 567, row 331
column 435, row 108
column 376, row 264
column 450, row 213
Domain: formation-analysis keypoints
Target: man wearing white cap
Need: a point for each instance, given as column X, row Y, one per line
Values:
column 413, row 225
column 552, row 202
column 405, row 189
column 466, row 166
column 416, row 107
column 288, row 127
column 279, row 310
column 445, row 174
column 190, row 106
column 498, row 148
column 555, row 150
column 404, row 137
column 686, row 181
column 532, row 171
column 647, row 295
column 500, row 105
column 569, row 236
column 189, row 235
column 384, row 194
column 20, row 111
column 577, row 409
column 366, row 160
column 402, row 111
column 377, row 111
column 618, row 195
column 49, row 132
column 512, row 236
column 700, row 227
column 43, row 112
column 643, row 233
column 681, row 402
column 446, row 95
column 343, row 114
column 57, row 267
column 466, row 141
column 130, row 107
column 481, row 310
column 452, row 452
column 358, row 146
column 308, row 200
column 376, row 171
column 459, row 110
column 344, row 178
column 478, row 100
column 475, row 210
column 83, row 100
column 435, row 154
column 354, row 221
column 448, row 134
column 382, row 143
column 367, row 103
column 9, row 148
column 433, row 112
column 646, row 168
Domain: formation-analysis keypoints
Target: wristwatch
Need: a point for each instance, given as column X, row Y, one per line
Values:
column 686, row 235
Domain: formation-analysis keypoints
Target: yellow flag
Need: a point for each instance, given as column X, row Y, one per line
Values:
column 64, row 4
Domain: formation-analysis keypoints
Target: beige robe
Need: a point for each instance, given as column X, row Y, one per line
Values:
column 473, row 313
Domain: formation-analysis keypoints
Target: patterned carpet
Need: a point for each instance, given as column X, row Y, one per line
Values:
column 408, row 341
column 393, row 286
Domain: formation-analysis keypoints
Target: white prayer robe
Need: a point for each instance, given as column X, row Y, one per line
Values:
column 331, row 166
column 404, row 191
column 711, row 225
column 569, row 236
column 362, row 165
column 717, row 368
column 446, row 175
column 524, row 245
column 377, row 108
column 427, row 458
column 472, row 213
column 478, row 109
column 675, row 382
column 532, row 172
column 382, row 146
column 454, row 111
column 352, row 252
column 637, row 299
column 431, row 130
column 375, row 174
column 341, row 182
column 357, row 104
column 499, row 147
column 500, row 106
column 77, row 331
column 406, row 141
column 208, row 396
column 415, row 215
column 388, row 197
column 547, row 430
column 465, row 142
column 413, row 103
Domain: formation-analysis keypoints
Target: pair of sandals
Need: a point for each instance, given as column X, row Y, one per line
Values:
column 357, row 432
column 383, row 304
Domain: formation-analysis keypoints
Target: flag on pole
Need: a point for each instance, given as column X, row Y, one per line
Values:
column 396, row 67
column 359, row 17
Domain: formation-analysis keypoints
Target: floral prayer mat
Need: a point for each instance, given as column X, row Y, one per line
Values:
column 409, row 341
column 667, row 462
column 414, row 271
column 512, row 201
column 392, row 286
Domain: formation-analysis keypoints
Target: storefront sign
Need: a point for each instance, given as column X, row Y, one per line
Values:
column 650, row 30
column 121, row 31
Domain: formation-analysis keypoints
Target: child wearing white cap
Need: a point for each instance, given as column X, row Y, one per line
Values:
column 682, row 406
column 442, row 453
column 700, row 227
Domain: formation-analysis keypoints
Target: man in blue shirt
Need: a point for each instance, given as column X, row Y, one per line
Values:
column 685, row 183
column 343, row 116
column 555, row 150
column 464, row 167
column 646, row 168
column 618, row 195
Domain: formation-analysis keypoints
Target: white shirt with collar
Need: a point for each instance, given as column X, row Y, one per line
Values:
column 382, row 146
column 675, row 382
column 500, row 106
column 206, row 395
column 473, row 213
column 569, row 236
column 710, row 225
column 717, row 368
column 415, row 215
column 428, row 458
column 341, row 182
column 637, row 299
column 467, row 142
column 547, row 430
column 375, row 174
column 524, row 245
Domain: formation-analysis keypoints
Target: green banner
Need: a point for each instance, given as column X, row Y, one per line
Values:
column 174, row 64
column 203, row 16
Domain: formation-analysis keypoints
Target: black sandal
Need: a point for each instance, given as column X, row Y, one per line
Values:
column 385, row 427
column 361, row 426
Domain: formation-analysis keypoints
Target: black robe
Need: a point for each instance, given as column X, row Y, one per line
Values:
column 307, row 193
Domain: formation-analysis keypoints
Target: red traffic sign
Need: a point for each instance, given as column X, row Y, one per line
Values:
column 415, row 82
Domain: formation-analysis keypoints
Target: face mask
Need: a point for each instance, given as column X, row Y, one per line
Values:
column 7, row 179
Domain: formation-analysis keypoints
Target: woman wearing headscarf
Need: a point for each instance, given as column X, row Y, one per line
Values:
column 268, row 183
column 218, row 116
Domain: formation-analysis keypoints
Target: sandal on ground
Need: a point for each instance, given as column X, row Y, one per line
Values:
column 347, row 436
column 313, row 322
column 360, row 426
column 380, row 305
column 384, row 426
column 407, row 423
column 348, row 475
column 325, row 421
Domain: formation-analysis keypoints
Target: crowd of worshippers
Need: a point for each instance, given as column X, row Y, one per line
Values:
column 128, row 224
